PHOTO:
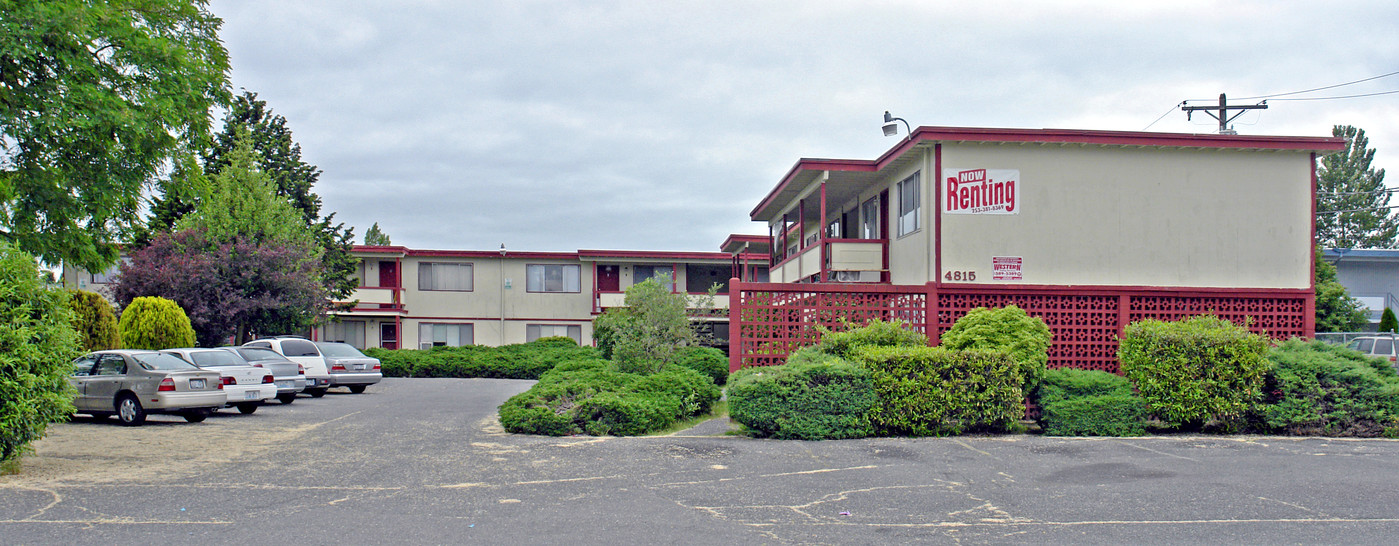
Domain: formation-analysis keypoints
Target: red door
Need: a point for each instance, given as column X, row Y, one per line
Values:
column 609, row 278
column 388, row 274
column 388, row 335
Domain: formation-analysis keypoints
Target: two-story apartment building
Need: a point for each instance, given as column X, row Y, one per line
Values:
column 1089, row 230
column 413, row 298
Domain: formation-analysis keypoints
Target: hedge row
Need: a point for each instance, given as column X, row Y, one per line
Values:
column 520, row 361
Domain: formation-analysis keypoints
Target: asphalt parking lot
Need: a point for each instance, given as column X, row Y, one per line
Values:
column 424, row 461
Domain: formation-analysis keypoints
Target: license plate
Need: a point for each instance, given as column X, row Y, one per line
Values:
column 250, row 395
column 284, row 384
column 359, row 366
column 196, row 383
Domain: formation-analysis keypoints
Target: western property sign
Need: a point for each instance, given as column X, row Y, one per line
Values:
column 981, row 191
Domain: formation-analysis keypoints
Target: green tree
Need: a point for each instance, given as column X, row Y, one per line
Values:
column 94, row 320
column 1388, row 323
column 37, row 344
column 94, row 97
column 155, row 323
column 374, row 237
column 279, row 156
column 1336, row 311
column 646, row 335
column 241, row 202
column 1353, row 209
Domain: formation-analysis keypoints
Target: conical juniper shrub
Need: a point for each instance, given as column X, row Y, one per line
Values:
column 814, row 396
column 1194, row 370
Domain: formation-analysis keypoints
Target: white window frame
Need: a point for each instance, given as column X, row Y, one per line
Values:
column 427, row 334
column 536, row 331
column 436, row 282
column 570, row 278
column 910, row 205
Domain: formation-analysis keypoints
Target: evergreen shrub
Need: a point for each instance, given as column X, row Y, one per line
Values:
column 814, row 396
column 1195, row 369
column 155, row 323
column 706, row 360
column 1388, row 322
column 37, row 347
column 597, row 399
column 1089, row 403
column 932, row 391
column 877, row 333
column 1319, row 389
column 1007, row 329
column 519, row 361
column 94, row 319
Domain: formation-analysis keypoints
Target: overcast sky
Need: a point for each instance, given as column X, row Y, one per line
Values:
column 659, row 125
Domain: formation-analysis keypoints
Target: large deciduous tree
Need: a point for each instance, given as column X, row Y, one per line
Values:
column 228, row 288
column 1353, row 209
column 94, row 97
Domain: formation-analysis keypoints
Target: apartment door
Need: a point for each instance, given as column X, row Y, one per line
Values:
column 388, row 274
column 388, row 335
column 609, row 278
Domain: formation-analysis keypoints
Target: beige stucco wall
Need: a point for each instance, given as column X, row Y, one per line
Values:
column 1139, row 217
column 483, row 305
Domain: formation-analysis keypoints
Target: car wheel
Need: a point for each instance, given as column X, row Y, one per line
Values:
column 287, row 398
column 196, row 416
column 357, row 388
column 316, row 393
column 246, row 409
column 129, row 411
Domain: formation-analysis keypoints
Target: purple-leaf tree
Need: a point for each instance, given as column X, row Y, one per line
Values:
column 229, row 289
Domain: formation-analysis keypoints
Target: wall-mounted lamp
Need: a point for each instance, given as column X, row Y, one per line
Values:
column 502, row 250
column 891, row 128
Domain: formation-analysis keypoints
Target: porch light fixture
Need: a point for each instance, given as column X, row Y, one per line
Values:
column 891, row 128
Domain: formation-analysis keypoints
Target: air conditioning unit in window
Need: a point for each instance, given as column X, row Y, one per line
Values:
column 855, row 276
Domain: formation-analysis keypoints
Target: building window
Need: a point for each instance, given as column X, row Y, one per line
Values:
column 869, row 219
column 663, row 274
column 444, row 276
column 536, row 331
column 552, row 278
column 698, row 278
column 345, row 331
column 909, row 205
column 445, row 335
column 110, row 275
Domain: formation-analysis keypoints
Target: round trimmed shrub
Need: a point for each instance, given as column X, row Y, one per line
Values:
column 37, row 346
column 94, row 320
column 155, row 323
column 814, row 396
column 1194, row 370
column 708, row 361
column 1007, row 329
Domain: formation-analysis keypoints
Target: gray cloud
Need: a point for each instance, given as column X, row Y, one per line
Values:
column 645, row 125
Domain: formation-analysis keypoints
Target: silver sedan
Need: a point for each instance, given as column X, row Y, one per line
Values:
column 131, row 384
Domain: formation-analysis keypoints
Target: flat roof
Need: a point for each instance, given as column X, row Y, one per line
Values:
column 925, row 136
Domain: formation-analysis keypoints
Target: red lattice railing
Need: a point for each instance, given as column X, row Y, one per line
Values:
column 776, row 319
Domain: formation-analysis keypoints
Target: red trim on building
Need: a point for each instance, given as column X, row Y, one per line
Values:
column 1311, row 299
column 657, row 255
column 494, row 254
column 498, row 319
column 1052, row 136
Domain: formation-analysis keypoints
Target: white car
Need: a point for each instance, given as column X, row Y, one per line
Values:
column 247, row 386
column 289, row 376
column 304, row 352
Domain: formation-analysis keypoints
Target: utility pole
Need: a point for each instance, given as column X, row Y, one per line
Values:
column 1223, row 115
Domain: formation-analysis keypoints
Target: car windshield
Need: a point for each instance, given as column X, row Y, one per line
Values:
column 258, row 354
column 162, row 361
column 340, row 350
column 216, row 358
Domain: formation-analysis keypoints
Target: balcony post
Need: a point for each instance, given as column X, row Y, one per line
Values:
column 821, row 231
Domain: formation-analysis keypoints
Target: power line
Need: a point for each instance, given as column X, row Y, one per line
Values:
column 1321, row 88
column 1346, row 96
column 1163, row 116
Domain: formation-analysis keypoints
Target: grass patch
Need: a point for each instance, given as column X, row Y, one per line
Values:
column 719, row 409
